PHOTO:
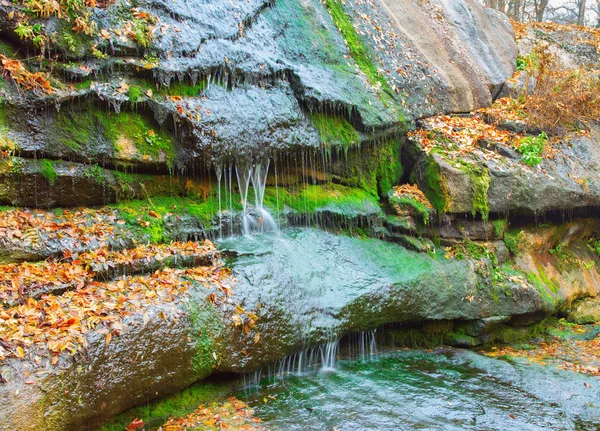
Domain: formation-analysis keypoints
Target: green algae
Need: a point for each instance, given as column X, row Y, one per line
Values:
column 481, row 182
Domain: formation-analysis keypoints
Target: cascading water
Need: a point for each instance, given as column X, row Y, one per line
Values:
column 259, row 220
column 360, row 346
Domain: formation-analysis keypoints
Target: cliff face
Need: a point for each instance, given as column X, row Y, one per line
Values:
column 187, row 106
column 227, row 81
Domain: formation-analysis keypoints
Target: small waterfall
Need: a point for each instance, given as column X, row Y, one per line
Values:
column 362, row 345
column 322, row 358
column 255, row 173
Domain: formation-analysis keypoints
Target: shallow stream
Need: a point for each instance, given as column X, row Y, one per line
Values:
column 421, row 390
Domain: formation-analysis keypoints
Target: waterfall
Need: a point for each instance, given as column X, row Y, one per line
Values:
column 361, row 346
column 258, row 220
column 322, row 357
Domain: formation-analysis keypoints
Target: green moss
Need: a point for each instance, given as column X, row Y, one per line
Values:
column 7, row 49
column 335, row 131
column 500, row 227
column 360, row 54
column 47, row 170
column 134, row 93
column 548, row 299
column 13, row 165
column 481, row 181
column 71, row 43
column 158, row 145
column 512, row 240
column 183, row 89
column 410, row 201
column 333, row 197
column 86, row 129
column 94, row 173
column 435, row 189
column 375, row 168
column 156, row 413
column 84, row 85
column 206, row 326
column 552, row 284
column 389, row 165
column 137, row 212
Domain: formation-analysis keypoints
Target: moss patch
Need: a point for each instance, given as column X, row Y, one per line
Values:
column 409, row 201
column 358, row 51
column 481, row 181
column 335, row 131
column 156, row 413
column 512, row 240
column 435, row 189
column 47, row 171
column 87, row 131
column 333, row 197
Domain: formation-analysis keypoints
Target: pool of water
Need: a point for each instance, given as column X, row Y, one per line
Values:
column 440, row 390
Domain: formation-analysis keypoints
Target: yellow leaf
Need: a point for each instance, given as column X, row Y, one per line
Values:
column 20, row 352
column 108, row 338
column 256, row 338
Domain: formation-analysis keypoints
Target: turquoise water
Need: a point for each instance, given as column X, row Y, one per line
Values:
column 442, row 390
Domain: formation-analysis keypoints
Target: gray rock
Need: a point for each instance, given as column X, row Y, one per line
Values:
column 585, row 311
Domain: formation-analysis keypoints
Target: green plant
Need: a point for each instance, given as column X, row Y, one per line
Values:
column 47, row 170
column 94, row 173
column 559, row 251
column 532, row 149
column 142, row 32
column 15, row 165
column 70, row 42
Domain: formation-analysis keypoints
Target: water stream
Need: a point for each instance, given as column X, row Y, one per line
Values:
column 441, row 390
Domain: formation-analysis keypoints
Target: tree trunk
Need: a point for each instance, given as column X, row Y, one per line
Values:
column 581, row 13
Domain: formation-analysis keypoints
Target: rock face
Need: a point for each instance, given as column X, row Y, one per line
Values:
column 167, row 100
column 585, row 311
column 568, row 181
column 222, row 82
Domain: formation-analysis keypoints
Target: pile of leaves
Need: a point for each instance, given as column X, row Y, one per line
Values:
column 34, row 81
column 41, row 329
column 21, row 281
column 232, row 415
column 82, row 226
column 460, row 134
column 587, row 35
column 572, row 353
column 407, row 190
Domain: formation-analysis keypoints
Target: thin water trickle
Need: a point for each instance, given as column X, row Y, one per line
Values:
column 219, row 171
